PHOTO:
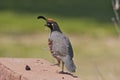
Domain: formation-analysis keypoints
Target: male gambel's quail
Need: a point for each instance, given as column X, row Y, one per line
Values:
column 59, row 45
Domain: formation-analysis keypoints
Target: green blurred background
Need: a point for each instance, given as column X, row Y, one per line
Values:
column 87, row 23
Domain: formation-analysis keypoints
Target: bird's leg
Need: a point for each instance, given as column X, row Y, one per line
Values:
column 62, row 66
column 58, row 63
column 62, row 72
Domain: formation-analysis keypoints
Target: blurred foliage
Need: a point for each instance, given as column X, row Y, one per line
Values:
column 98, row 9
column 74, row 16
column 12, row 23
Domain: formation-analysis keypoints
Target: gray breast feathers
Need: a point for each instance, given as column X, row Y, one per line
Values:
column 61, row 44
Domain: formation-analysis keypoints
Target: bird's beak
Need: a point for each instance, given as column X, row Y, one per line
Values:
column 45, row 25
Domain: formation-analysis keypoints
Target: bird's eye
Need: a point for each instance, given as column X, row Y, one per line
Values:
column 52, row 24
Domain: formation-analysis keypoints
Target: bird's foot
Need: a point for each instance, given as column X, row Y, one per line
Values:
column 61, row 72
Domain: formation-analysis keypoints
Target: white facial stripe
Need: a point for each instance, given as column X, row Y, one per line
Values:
column 52, row 25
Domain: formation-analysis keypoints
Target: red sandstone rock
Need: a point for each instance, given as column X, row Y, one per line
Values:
column 30, row 69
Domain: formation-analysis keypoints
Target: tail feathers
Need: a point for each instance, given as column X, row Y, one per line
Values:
column 69, row 64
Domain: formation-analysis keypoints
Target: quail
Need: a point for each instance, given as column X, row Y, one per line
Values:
column 60, row 46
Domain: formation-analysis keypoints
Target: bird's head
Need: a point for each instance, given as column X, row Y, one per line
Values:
column 50, row 23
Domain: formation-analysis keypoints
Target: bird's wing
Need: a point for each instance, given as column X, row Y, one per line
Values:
column 70, row 50
column 61, row 44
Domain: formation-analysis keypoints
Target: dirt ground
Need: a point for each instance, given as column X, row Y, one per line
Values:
column 31, row 69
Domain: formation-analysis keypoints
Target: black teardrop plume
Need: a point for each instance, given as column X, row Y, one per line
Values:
column 41, row 17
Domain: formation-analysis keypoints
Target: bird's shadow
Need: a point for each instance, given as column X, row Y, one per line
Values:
column 67, row 73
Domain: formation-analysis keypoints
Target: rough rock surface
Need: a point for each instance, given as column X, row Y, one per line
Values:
column 31, row 69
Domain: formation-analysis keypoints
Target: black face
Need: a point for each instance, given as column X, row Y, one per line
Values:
column 53, row 26
column 49, row 24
